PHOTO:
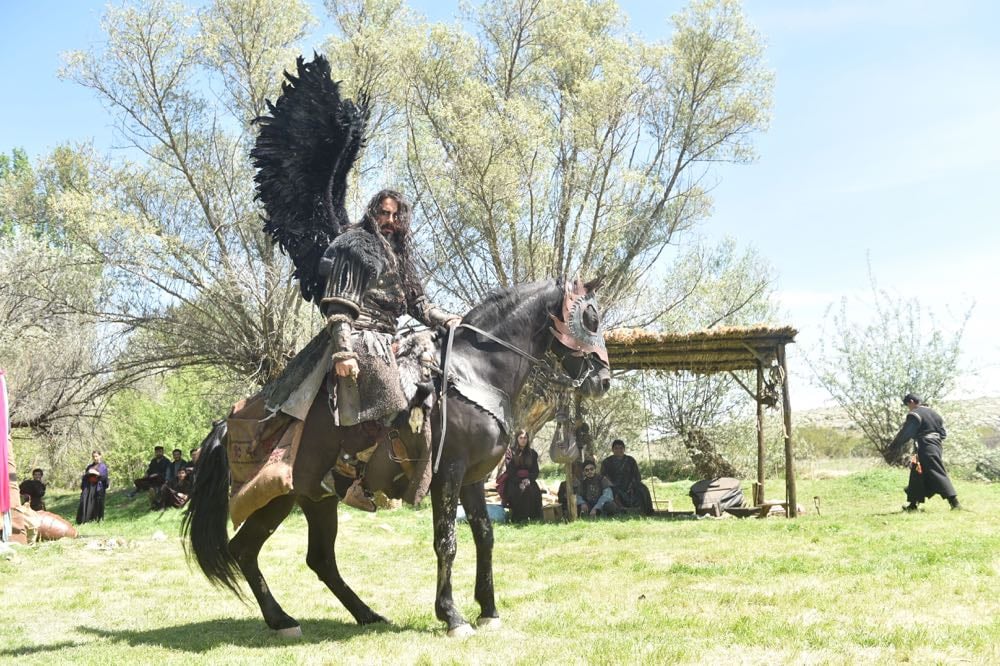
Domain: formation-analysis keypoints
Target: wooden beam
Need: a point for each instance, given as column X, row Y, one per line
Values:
column 755, row 396
column 570, row 495
column 786, row 408
column 759, row 490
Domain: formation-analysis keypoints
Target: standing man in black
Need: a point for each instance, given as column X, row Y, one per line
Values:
column 927, row 473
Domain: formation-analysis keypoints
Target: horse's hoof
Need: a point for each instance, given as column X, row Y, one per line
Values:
column 488, row 623
column 462, row 631
column 289, row 632
column 374, row 618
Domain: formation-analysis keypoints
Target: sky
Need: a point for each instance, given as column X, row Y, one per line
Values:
column 883, row 149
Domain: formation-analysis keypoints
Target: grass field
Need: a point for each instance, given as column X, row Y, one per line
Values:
column 859, row 583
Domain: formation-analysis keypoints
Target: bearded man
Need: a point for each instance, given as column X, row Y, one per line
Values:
column 623, row 472
column 371, row 283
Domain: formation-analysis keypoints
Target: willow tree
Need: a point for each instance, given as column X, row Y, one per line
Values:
column 709, row 287
column 542, row 139
column 196, row 280
column 58, row 365
column 538, row 138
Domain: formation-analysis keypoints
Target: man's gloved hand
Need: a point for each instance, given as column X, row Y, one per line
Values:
column 347, row 368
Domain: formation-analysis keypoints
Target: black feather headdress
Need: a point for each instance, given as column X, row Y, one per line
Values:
column 305, row 149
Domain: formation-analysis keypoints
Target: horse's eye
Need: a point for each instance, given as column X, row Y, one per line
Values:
column 591, row 320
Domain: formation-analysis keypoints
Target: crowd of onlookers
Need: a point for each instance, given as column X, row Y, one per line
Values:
column 167, row 483
column 616, row 488
column 612, row 488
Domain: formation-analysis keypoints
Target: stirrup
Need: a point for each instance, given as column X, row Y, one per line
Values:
column 328, row 482
column 357, row 498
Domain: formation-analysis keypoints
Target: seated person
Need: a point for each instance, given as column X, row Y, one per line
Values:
column 176, row 463
column 176, row 493
column 594, row 495
column 33, row 490
column 623, row 472
column 192, row 461
column 156, row 476
column 156, row 471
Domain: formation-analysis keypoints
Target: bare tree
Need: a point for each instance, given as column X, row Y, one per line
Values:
column 869, row 367
column 708, row 287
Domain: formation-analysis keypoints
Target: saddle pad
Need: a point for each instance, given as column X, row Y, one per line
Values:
column 272, row 478
column 261, row 454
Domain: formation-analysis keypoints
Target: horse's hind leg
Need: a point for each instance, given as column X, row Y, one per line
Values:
column 474, row 502
column 322, row 519
column 444, row 501
column 245, row 547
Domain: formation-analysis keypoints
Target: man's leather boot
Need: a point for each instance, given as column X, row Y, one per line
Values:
column 358, row 498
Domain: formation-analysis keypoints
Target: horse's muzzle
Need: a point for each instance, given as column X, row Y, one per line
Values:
column 597, row 383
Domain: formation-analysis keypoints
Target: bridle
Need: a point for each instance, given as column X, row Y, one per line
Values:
column 542, row 369
column 544, row 372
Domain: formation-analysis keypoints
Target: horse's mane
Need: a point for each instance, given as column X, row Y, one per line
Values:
column 509, row 306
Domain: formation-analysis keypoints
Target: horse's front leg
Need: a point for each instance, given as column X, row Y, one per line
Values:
column 245, row 547
column 474, row 502
column 444, row 501
column 322, row 519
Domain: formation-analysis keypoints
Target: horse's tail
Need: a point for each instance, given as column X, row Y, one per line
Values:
column 205, row 522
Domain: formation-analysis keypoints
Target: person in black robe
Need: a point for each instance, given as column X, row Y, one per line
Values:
column 521, row 492
column 91, row 506
column 623, row 472
column 928, row 476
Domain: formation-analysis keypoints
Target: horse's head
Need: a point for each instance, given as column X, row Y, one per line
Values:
column 578, row 338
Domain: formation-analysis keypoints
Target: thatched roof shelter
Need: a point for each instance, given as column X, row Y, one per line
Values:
column 700, row 352
column 725, row 349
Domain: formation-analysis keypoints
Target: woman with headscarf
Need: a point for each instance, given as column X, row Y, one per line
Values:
column 521, row 492
column 93, row 487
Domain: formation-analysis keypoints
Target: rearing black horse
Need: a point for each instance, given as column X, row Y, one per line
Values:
column 493, row 354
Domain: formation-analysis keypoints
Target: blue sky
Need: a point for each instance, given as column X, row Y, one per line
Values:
column 884, row 144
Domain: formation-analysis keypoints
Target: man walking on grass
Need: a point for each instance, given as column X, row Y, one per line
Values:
column 927, row 473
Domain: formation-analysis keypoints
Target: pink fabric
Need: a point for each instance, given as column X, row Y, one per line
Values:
column 4, row 443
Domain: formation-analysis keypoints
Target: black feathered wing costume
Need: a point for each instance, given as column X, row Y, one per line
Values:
column 305, row 150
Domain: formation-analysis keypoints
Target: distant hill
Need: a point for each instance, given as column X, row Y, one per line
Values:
column 983, row 412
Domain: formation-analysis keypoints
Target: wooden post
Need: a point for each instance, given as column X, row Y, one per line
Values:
column 570, row 495
column 758, row 498
column 792, row 509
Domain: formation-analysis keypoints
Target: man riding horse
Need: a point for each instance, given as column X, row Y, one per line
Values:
column 362, row 276
column 339, row 402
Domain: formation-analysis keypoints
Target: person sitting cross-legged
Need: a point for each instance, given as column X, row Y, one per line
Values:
column 623, row 472
column 176, row 493
column 156, row 475
column 594, row 496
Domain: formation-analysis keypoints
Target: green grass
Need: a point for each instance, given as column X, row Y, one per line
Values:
column 859, row 583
